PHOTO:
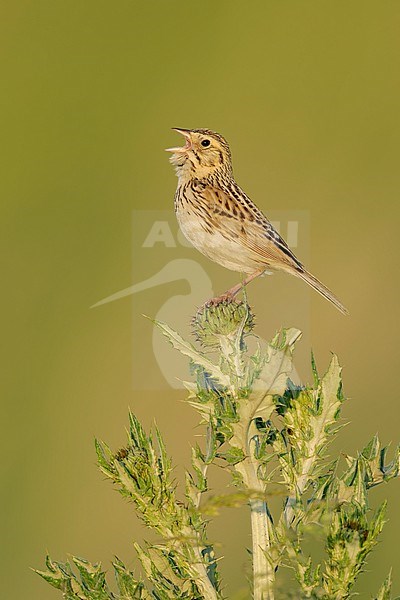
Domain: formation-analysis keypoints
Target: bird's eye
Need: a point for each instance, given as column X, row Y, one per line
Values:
column 205, row 143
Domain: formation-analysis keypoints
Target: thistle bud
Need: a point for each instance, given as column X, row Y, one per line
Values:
column 226, row 319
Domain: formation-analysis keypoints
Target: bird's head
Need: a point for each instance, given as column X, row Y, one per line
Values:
column 205, row 153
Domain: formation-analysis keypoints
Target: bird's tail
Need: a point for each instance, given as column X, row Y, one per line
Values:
column 321, row 289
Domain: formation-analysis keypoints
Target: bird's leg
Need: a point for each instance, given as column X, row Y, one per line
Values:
column 236, row 288
column 230, row 294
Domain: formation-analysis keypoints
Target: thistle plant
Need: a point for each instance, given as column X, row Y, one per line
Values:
column 271, row 435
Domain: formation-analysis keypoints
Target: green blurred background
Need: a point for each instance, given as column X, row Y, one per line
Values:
column 308, row 95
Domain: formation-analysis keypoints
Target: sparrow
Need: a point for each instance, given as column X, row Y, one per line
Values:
column 222, row 222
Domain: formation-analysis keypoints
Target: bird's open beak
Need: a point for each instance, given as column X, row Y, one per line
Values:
column 188, row 144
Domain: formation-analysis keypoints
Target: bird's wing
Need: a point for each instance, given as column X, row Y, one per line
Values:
column 234, row 213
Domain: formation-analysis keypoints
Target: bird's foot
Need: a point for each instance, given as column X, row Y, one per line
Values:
column 228, row 297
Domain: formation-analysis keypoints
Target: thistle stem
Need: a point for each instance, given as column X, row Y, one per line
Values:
column 263, row 570
column 263, row 574
column 204, row 581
